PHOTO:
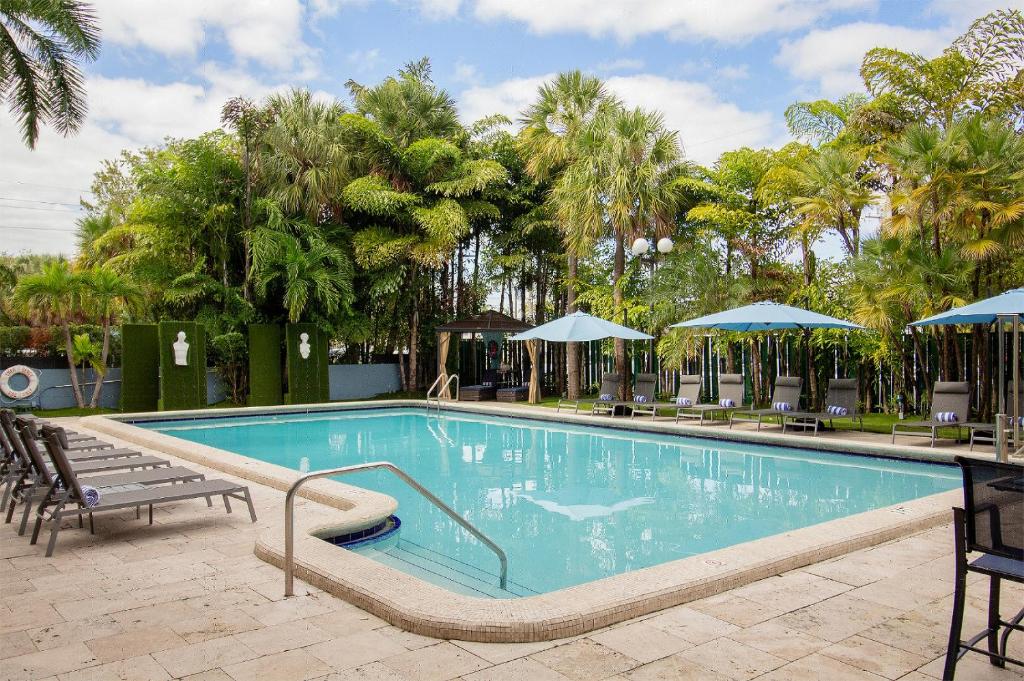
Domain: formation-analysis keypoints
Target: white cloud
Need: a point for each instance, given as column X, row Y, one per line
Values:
column 734, row 72
column 268, row 32
column 125, row 113
column 723, row 20
column 832, row 56
column 364, row 60
column 966, row 12
column 466, row 73
column 707, row 124
column 440, row 9
column 624, row 64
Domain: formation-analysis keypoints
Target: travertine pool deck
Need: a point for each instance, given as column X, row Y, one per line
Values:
column 188, row 599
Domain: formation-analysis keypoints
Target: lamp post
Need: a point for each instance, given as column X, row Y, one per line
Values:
column 640, row 248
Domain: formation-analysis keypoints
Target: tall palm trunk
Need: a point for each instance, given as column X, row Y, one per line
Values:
column 98, row 388
column 618, row 302
column 69, row 348
column 572, row 350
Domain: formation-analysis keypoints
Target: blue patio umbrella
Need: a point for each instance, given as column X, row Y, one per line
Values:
column 766, row 316
column 981, row 312
column 578, row 327
column 1007, row 306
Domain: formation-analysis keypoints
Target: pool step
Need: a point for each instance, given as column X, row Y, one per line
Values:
column 436, row 568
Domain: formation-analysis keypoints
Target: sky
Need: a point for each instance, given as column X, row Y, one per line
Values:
column 721, row 71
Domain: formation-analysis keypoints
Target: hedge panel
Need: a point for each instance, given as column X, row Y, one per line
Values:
column 264, row 365
column 140, row 367
column 182, row 387
column 305, row 376
column 325, row 371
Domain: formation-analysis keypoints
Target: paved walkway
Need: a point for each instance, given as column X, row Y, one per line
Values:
column 187, row 599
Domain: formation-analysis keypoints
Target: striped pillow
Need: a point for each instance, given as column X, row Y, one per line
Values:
column 684, row 401
column 834, row 410
column 640, row 399
column 606, row 397
column 946, row 417
column 782, row 406
column 726, row 402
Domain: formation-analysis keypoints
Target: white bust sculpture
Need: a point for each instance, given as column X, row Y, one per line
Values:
column 304, row 345
column 180, row 350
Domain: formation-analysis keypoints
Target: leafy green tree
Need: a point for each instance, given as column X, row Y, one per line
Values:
column 53, row 296
column 40, row 43
column 106, row 296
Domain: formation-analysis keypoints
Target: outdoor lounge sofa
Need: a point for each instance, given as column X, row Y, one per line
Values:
column 73, row 502
column 787, row 390
column 947, row 397
column 609, row 391
column 485, row 391
column 841, row 401
column 518, row 393
column 643, row 393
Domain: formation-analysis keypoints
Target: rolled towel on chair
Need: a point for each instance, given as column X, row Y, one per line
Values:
column 947, row 417
column 782, row 406
column 606, row 397
column 834, row 410
column 726, row 402
column 90, row 496
column 684, row 401
column 640, row 399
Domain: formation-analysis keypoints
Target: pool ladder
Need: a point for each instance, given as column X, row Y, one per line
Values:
column 289, row 517
column 435, row 393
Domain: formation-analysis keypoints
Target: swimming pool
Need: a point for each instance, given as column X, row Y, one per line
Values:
column 569, row 504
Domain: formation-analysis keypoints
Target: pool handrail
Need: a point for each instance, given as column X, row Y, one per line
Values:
column 443, row 390
column 289, row 516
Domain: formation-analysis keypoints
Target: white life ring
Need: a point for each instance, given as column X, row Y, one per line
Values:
column 26, row 392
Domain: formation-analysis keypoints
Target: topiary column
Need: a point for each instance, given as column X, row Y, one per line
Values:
column 264, row 365
column 140, row 367
column 306, row 350
column 182, row 385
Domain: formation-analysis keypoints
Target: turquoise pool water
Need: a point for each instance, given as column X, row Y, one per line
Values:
column 568, row 504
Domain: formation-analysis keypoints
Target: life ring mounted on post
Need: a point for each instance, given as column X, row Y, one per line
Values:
column 26, row 392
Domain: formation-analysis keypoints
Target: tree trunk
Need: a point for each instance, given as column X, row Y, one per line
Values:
column 618, row 300
column 812, row 372
column 572, row 350
column 98, row 388
column 69, row 348
column 413, row 343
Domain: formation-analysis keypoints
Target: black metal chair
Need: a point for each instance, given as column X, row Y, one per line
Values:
column 992, row 524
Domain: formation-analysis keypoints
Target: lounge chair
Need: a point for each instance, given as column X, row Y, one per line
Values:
column 787, row 391
column 948, row 397
column 44, row 478
column 841, row 400
column 689, row 394
column 79, row 445
column 73, row 502
column 731, row 391
column 985, row 433
column 609, row 393
column 108, row 451
column 643, row 393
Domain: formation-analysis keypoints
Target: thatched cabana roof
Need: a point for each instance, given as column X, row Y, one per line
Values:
column 485, row 321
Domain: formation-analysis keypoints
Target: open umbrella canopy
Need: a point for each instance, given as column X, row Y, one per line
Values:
column 580, row 326
column 981, row 312
column 765, row 316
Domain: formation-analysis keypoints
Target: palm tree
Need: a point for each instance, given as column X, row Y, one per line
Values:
column 53, row 295
column 40, row 42
column 833, row 189
column 550, row 142
column 621, row 186
column 107, row 295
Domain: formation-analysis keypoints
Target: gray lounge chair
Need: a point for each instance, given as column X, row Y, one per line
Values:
column 689, row 389
column 44, row 479
column 787, row 389
column 842, row 392
column 609, row 386
column 107, row 451
column 947, row 396
column 730, row 387
column 643, row 393
column 79, row 445
column 71, row 502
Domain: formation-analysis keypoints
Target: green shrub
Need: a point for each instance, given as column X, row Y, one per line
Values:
column 264, row 365
column 140, row 367
column 229, row 354
column 14, row 339
column 306, row 377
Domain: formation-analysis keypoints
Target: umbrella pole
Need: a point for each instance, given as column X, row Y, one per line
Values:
column 1016, row 385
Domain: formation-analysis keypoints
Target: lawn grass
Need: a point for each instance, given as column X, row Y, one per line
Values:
column 73, row 411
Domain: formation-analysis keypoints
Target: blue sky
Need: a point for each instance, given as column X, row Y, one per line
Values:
column 721, row 71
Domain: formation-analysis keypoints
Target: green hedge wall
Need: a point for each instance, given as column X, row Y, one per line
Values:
column 264, row 365
column 306, row 377
column 325, row 372
column 140, row 367
column 182, row 387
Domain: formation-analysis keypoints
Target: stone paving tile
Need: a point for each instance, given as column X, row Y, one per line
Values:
column 356, row 650
column 142, row 668
column 839, row 617
column 346, row 620
column 674, row 668
column 819, row 668
column 375, row 671
column 212, row 675
column 496, row 653
column 201, row 657
column 48, row 663
column 641, row 641
column 294, row 665
column 585, row 660
column 692, row 625
column 522, row 669
column 137, row 640
column 16, row 643
column 733, row 659
column 435, row 663
column 772, row 637
column 214, row 624
column 282, row 637
column 874, row 657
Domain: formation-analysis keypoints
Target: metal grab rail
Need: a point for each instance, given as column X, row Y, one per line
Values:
column 443, row 389
column 289, row 516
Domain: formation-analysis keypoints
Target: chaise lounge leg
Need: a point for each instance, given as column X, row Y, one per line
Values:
column 959, row 597
column 993, row 622
column 248, row 500
column 151, row 514
column 52, row 544
column 227, row 504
